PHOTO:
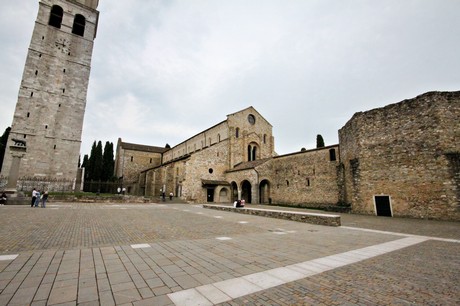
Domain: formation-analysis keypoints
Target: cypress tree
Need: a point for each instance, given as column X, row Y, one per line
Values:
column 108, row 162
column 90, row 169
column 319, row 141
column 97, row 162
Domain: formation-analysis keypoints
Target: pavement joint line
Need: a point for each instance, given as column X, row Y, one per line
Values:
column 8, row 257
column 227, row 290
column 401, row 234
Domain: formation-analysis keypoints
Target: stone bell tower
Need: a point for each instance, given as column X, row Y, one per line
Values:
column 48, row 118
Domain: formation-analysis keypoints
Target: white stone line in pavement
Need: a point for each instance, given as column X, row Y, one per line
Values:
column 140, row 246
column 223, row 238
column 8, row 257
column 400, row 234
column 227, row 290
column 243, row 222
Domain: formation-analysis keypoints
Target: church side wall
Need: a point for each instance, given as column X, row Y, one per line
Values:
column 303, row 179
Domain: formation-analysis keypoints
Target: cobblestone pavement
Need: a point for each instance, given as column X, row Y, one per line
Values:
column 161, row 254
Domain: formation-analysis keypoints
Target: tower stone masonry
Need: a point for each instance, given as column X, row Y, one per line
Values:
column 49, row 113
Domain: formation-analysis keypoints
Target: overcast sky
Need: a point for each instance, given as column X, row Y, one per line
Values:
column 163, row 71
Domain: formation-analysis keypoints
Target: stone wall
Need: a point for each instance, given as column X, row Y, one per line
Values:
column 306, row 178
column 407, row 151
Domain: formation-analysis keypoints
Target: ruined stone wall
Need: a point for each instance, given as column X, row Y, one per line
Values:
column 306, row 178
column 407, row 151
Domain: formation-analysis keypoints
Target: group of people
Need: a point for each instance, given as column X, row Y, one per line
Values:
column 239, row 203
column 37, row 198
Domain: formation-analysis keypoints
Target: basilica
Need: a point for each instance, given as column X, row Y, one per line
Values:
column 399, row 160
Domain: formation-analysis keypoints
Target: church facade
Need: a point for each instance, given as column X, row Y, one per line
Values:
column 400, row 160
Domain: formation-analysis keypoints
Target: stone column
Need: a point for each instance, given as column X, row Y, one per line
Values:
column 14, row 171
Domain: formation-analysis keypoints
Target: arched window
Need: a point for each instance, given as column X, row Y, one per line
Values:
column 79, row 25
column 56, row 16
column 265, row 138
column 237, row 133
column 252, row 152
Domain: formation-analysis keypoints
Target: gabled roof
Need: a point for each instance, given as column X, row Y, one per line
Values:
column 249, row 165
column 143, row 148
column 253, row 110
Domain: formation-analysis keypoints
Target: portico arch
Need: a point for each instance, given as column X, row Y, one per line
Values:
column 246, row 191
column 264, row 192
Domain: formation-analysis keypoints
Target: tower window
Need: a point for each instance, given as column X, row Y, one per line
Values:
column 31, row 94
column 56, row 16
column 55, row 147
column 28, row 115
column 132, row 158
column 63, row 90
column 36, row 72
column 237, row 133
column 63, row 70
column 79, row 25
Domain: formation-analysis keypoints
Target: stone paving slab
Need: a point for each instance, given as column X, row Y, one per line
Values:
column 171, row 255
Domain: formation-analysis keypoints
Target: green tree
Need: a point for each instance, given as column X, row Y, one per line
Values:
column 3, row 143
column 108, row 162
column 319, row 141
column 97, row 159
column 85, row 164
column 90, row 169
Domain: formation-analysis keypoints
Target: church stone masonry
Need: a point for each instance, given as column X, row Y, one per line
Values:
column 49, row 112
column 399, row 160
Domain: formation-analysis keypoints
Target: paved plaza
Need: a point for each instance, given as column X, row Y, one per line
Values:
column 181, row 254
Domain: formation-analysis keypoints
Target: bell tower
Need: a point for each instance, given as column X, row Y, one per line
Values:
column 49, row 113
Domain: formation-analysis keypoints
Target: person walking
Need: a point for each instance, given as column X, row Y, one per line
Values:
column 34, row 197
column 44, row 199
column 37, row 198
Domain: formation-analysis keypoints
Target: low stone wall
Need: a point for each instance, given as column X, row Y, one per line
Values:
column 319, row 219
column 25, row 200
